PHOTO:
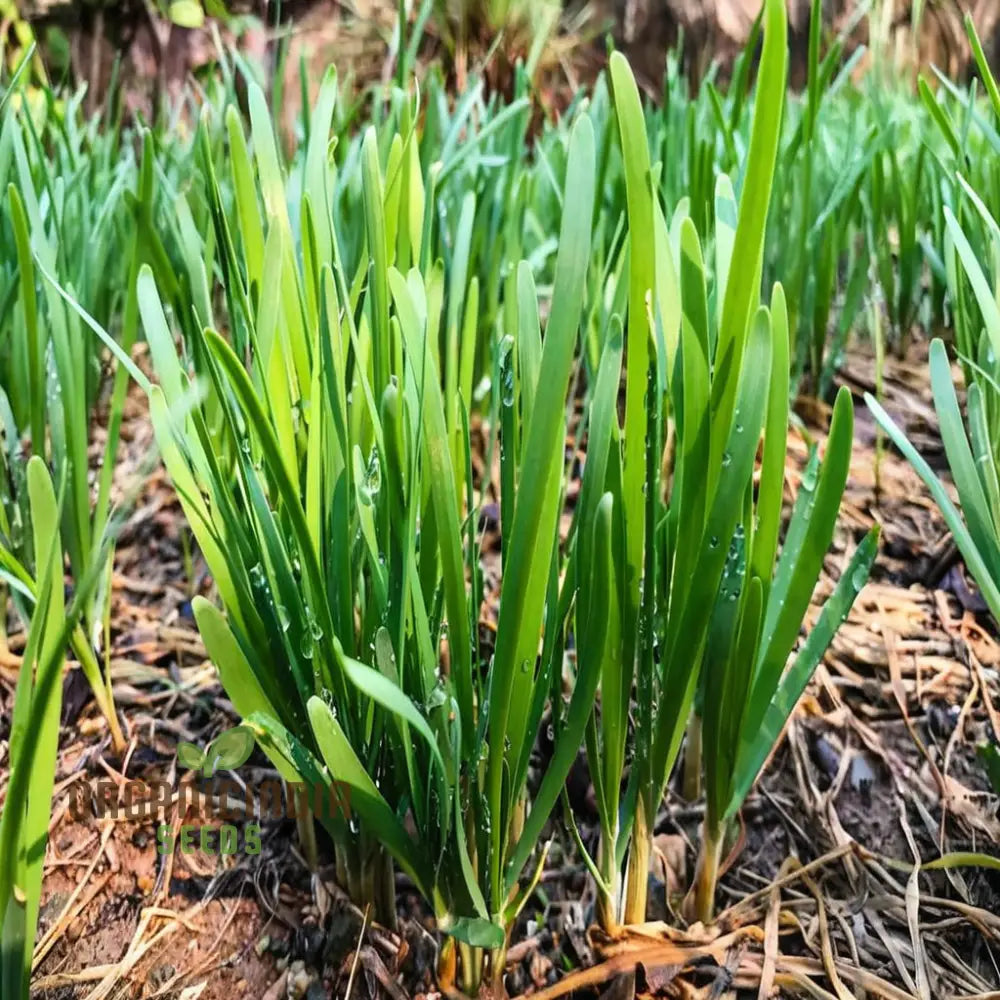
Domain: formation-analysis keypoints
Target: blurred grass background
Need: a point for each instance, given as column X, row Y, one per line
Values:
column 156, row 48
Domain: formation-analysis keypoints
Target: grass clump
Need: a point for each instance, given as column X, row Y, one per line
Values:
column 356, row 349
column 328, row 481
column 708, row 610
column 322, row 455
column 65, row 215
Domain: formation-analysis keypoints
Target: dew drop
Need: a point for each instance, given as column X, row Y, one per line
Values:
column 508, row 386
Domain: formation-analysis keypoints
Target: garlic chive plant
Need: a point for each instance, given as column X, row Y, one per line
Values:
column 971, row 260
column 34, row 734
column 322, row 456
column 703, row 589
column 64, row 214
column 357, row 348
column 25, row 816
column 326, row 473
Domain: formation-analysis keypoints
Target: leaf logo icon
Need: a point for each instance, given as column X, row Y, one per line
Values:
column 228, row 750
column 190, row 756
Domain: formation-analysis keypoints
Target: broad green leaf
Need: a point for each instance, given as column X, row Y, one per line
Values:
column 382, row 690
column 229, row 749
column 772, row 476
column 186, row 13
column 476, row 931
column 641, row 284
column 190, row 756
column 726, row 219
column 742, row 287
column 366, row 799
column 33, row 740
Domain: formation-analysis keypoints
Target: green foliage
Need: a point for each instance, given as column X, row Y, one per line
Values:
column 359, row 348
column 972, row 458
column 34, row 735
column 376, row 298
column 715, row 600
column 64, row 181
column 228, row 750
column 971, row 234
column 329, row 486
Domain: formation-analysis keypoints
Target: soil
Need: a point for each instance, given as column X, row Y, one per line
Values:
column 878, row 766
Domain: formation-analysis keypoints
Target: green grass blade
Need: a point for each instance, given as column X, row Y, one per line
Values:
column 979, row 563
column 742, row 288
column 759, row 741
column 642, row 281
column 527, row 569
column 366, row 800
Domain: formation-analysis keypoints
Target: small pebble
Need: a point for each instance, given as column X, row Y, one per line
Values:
column 299, row 980
column 942, row 719
column 862, row 775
